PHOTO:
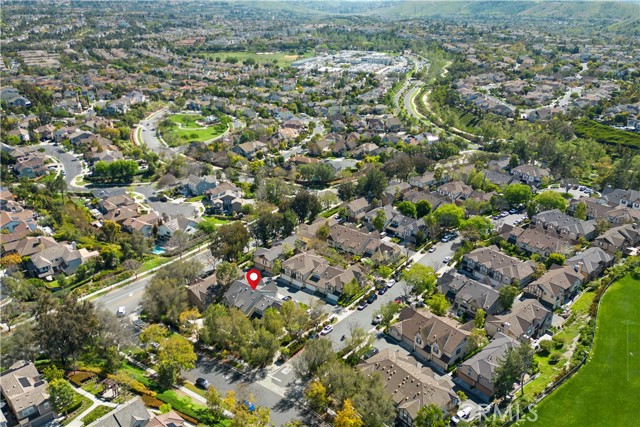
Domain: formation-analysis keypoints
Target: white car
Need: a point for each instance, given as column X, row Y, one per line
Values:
column 121, row 311
column 446, row 259
column 326, row 330
column 461, row 414
column 391, row 283
column 376, row 320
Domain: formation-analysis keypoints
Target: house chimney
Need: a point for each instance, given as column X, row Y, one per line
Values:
column 74, row 245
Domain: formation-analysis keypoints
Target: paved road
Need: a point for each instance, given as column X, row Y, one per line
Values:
column 130, row 296
column 148, row 132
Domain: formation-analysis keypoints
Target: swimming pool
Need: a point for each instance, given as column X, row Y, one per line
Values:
column 158, row 250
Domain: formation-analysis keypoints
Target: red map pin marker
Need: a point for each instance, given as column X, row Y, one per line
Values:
column 253, row 277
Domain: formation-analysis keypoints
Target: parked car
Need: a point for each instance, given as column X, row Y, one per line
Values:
column 391, row 282
column 202, row 383
column 382, row 290
column 286, row 298
column 432, row 249
column 371, row 353
column 326, row 330
column 512, row 211
column 376, row 320
column 461, row 414
column 446, row 259
column 362, row 306
column 372, row 298
column 121, row 311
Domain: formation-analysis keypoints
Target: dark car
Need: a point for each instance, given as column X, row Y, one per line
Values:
column 202, row 383
column 371, row 353
column 372, row 298
column 382, row 290
column 286, row 298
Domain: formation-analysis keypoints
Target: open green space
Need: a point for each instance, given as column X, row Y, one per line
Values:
column 186, row 129
column 605, row 390
column 279, row 58
column 79, row 405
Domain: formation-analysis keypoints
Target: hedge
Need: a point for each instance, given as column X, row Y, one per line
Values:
column 79, row 377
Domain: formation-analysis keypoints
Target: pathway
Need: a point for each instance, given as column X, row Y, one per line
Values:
column 77, row 421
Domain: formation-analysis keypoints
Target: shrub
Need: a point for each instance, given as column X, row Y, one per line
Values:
column 558, row 342
column 79, row 377
column 545, row 347
column 152, row 402
column 555, row 357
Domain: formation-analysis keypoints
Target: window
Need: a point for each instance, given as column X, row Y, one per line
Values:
column 28, row 411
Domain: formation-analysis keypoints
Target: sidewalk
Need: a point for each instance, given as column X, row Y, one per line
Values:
column 77, row 422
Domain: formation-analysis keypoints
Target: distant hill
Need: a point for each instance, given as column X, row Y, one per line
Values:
column 618, row 10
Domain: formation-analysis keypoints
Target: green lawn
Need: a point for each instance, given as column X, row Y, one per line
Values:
column 191, row 131
column 96, row 413
column 281, row 58
column 605, row 391
column 81, row 404
column 154, row 262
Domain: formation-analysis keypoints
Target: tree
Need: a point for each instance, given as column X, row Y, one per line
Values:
column 421, row 278
column 306, row 206
column 423, row 207
column 229, row 241
column 581, row 211
column 379, row 220
column 550, row 199
column 372, row 184
column 555, row 258
column 449, row 215
column 61, row 395
column 387, row 311
column 289, row 222
column 132, row 265
column 407, row 208
column 110, row 231
column 175, row 354
column 347, row 416
column 359, row 341
column 430, row 416
column 186, row 320
column 346, row 191
column 179, row 241
column 317, row 354
column 511, row 368
column 507, row 295
column 438, row 304
column 316, row 395
column 154, row 333
column 480, row 318
column 295, row 318
column 273, row 190
column 165, row 298
column 10, row 261
column 226, row 273
column 214, row 403
column 267, row 226
column 477, row 339
column 476, row 227
column 517, row 194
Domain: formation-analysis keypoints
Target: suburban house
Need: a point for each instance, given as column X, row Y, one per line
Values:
column 357, row 208
column 198, row 185
column 536, row 241
column 558, row 286
column 477, row 372
column 618, row 239
column 61, row 258
column 527, row 319
column 410, row 385
column 30, row 165
column 203, row 292
column 135, row 414
column 394, row 191
column 355, row 242
column 226, row 197
column 530, row 174
column 601, row 209
column 143, row 223
column 252, row 302
column 467, row 295
column 628, row 198
column 250, row 149
column 501, row 269
column 167, row 229
column 592, row 261
column 265, row 259
column 111, row 203
column 405, row 228
column 439, row 340
column 25, row 392
column 455, row 190
column 310, row 271
column 568, row 227
column 27, row 246
column 428, row 179
column 10, row 220
column 389, row 212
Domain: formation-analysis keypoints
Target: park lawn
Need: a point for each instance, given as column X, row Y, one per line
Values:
column 187, row 120
column 192, row 131
column 605, row 390
column 281, row 58
column 96, row 413
column 215, row 221
column 81, row 403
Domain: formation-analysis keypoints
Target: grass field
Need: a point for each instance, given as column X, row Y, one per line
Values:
column 281, row 58
column 96, row 413
column 606, row 134
column 606, row 390
column 187, row 130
